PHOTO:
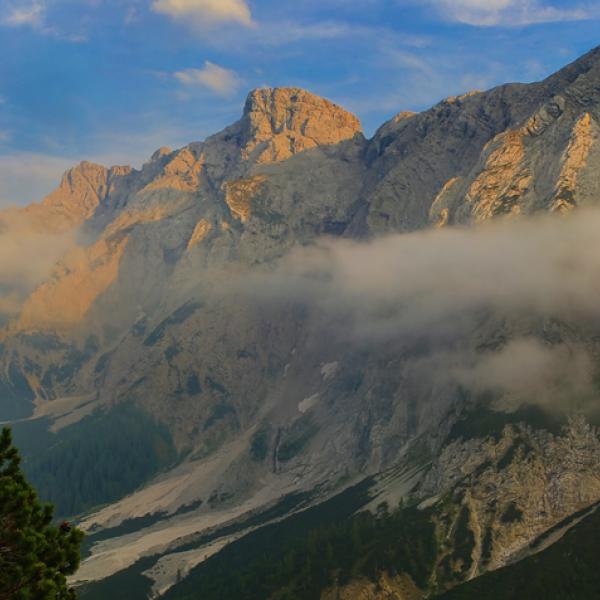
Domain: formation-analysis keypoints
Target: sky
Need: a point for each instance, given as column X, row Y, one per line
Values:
column 113, row 80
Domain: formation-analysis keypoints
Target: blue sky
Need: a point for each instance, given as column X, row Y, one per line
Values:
column 112, row 80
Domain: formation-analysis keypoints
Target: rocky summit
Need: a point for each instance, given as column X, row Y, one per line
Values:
column 180, row 331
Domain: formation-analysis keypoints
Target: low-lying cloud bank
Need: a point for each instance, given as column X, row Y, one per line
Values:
column 548, row 266
column 460, row 285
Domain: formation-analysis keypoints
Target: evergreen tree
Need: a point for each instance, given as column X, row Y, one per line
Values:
column 35, row 555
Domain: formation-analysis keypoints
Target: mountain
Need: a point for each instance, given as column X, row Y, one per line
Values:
column 222, row 338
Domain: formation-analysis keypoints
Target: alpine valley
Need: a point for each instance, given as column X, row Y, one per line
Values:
column 291, row 362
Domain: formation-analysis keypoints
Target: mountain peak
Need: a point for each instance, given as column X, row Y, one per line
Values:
column 280, row 122
column 79, row 194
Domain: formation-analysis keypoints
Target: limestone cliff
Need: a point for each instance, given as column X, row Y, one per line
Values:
column 511, row 489
column 279, row 123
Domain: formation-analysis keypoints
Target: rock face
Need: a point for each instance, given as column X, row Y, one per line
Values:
column 279, row 123
column 515, row 487
column 264, row 398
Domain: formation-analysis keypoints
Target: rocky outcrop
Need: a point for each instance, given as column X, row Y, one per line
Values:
column 181, row 172
column 504, row 181
column 79, row 195
column 240, row 193
column 281, row 122
column 574, row 160
column 201, row 230
column 515, row 487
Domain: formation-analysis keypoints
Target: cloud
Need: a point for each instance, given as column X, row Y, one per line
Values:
column 490, row 13
column 27, row 257
column 205, row 14
column 25, row 15
column 25, row 177
column 219, row 80
column 33, row 15
column 548, row 266
column 526, row 369
column 495, row 306
column 286, row 32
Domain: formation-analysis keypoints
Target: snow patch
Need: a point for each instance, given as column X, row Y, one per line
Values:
column 329, row 370
column 308, row 403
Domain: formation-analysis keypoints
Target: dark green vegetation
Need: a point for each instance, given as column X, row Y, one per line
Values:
column 259, row 447
column 296, row 438
column 16, row 397
column 482, row 422
column 35, row 556
column 95, row 461
column 512, row 513
column 218, row 413
column 464, row 540
column 567, row 570
column 128, row 584
column 297, row 558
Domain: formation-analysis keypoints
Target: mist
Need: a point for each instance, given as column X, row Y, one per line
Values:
column 457, row 288
column 546, row 265
column 27, row 258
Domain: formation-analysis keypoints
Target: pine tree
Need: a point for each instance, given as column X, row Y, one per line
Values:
column 35, row 555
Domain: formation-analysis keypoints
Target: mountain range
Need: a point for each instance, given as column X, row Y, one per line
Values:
column 270, row 331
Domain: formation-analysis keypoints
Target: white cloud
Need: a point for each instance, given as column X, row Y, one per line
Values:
column 205, row 13
column 32, row 14
column 131, row 16
column 484, row 304
column 286, row 32
column 25, row 15
column 527, row 368
column 489, row 13
column 548, row 266
column 219, row 80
